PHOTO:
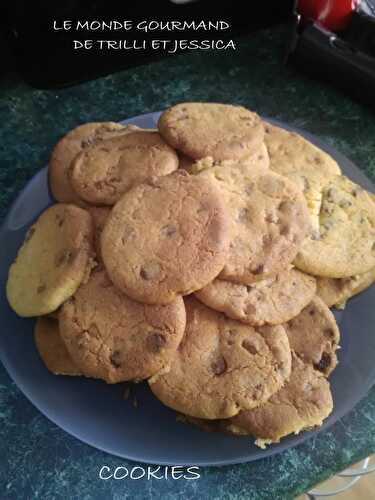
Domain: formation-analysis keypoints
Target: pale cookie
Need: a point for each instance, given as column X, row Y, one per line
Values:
column 114, row 338
column 314, row 336
column 269, row 220
column 52, row 349
column 302, row 162
column 67, row 149
column 223, row 366
column 344, row 243
column 99, row 216
column 52, row 262
column 166, row 238
column 337, row 291
column 302, row 404
column 222, row 131
column 259, row 160
column 270, row 301
column 102, row 173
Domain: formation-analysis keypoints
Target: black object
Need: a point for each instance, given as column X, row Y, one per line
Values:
column 347, row 59
column 46, row 57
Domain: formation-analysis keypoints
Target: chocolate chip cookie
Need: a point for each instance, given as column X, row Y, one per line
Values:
column 166, row 238
column 222, row 131
column 112, row 337
column 102, row 173
column 52, row 262
column 223, row 366
column 269, row 220
column 270, row 301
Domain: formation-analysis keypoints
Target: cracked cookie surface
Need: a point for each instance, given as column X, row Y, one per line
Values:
column 166, row 238
column 114, row 338
column 223, row 366
column 269, row 220
column 208, row 129
column 66, row 150
column 52, row 349
column 270, row 301
column 102, row 173
column 343, row 244
column 52, row 261
column 314, row 336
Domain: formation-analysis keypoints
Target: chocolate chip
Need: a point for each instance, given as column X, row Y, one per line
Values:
column 246, row 344
column 156, row 341
column 243, row 215
column 286, row 206
column 312, row 312
column 115, row 359
column 168, row 230
column 328, row 332
column 285, row 230
column 41, row 288
column 248, row 288
column 219, row 366
column 259, row 269
column 324, row 362
column 150, row 271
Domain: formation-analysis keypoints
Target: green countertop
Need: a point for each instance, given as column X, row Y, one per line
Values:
column 38, row 460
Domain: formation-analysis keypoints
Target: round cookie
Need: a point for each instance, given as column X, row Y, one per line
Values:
column 223, row 366
column 302, row 162
column 314, row 336
column 166, row 238
column 222, row 131
column 111, row 337
column 67, row 149
column 271, row 301
column 52, row 349
column 99, row 216
column 258, row 160
column 344, row 243
column 102, row 173
column 302, row 404
column 337, row 291
column 269, row 220
column 52, row 262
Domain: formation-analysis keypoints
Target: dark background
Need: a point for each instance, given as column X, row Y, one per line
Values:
column 46, row 58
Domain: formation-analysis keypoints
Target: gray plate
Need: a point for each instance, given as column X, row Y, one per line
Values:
column 97, row 414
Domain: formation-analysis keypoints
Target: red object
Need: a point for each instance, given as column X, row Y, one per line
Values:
column 334, row 15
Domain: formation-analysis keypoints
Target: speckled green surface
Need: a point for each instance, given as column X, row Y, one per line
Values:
column 38, row 460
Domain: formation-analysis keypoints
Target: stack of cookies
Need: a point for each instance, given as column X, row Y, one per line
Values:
column 202, row 257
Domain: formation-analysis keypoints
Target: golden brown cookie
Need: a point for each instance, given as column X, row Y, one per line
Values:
column 166, row 238
column 270, row 301
column 344, row 242
column 102, row 173
column 67, row 149
column 314, row 336
column 114, row 338
column 222, row 131
column 52, row 349
column 52, row 262
column 337, row 291
column 269, row 220
column 99, row 216
column 223, row 366
column 302, row 404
